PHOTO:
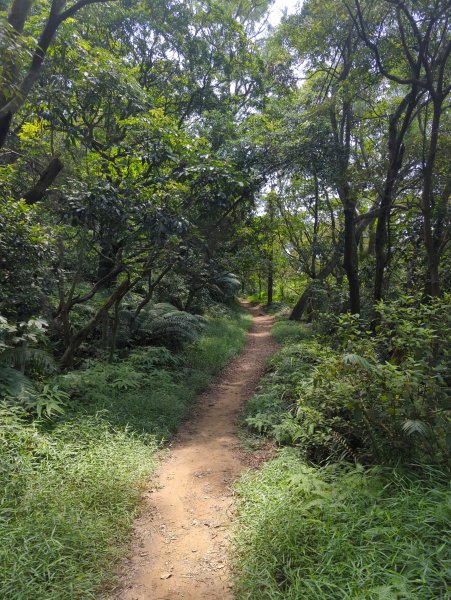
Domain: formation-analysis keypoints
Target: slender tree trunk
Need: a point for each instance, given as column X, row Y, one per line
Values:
column 114, row 329
column 270, row 281
column 351, row 259
column 315, row 228
column 371, row 240
column 432, row 255
column 395, row 157
column 5, row 124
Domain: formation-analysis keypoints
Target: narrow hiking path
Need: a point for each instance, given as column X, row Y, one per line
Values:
column 181, row 539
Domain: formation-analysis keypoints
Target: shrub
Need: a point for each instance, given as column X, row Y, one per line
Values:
column 271, row 410
column 370, row 398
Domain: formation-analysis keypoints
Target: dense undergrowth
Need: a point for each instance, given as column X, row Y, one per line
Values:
column 352, row 508
column 71, row 485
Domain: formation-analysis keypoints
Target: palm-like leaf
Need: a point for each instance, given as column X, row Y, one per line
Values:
column 356, row 359
column 412, row 426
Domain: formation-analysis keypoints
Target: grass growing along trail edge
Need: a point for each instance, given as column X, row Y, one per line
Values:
column 71, row 488
column 338, row 531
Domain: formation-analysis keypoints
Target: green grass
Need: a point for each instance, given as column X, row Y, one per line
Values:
column 71, row 488
column 290, row 331
column 69, row 504
column 155, row 398
column 341, row 532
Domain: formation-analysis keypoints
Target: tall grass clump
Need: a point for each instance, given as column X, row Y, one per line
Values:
column 285, row 331
column 68, row 501
column 340, row 532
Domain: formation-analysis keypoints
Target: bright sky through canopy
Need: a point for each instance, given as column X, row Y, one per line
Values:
column 277, row 9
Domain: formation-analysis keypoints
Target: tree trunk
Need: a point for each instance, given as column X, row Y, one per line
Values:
column 82, row 334
column 270, row 281
column 114, row 329
column 46, row 179
column 298, row 310
column 301, row 304
column 432, row 254
column 350, row 259
column 5, row 124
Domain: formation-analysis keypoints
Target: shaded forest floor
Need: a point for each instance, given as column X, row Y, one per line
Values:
column 181, row 539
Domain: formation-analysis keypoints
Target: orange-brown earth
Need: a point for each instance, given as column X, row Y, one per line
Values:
column 181, row 539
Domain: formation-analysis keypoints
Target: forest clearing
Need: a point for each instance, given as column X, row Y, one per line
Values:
column 225, row 299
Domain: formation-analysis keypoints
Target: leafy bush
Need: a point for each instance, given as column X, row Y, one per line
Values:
column 374, row 398
column 19, row 357
column 153, row 357
column 340, row 532
column 272, row 409
column 399, row 379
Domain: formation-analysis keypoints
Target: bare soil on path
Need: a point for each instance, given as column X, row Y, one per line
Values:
column 181, row 538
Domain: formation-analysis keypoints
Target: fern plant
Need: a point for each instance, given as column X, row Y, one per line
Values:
column 164, row 325
column 17, row 357
column 224, row 287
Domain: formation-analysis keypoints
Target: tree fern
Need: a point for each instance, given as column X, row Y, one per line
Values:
column 163, row 324
column 32, row 357
column 14, row 383
column 225, row 286
column 412, row 426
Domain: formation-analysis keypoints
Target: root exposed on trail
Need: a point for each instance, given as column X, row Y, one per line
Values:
column 181, row 539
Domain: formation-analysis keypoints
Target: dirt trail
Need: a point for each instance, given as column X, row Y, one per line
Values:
column 181, row 540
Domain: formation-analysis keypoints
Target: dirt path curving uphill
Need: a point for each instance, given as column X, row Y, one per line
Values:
column 181, row 540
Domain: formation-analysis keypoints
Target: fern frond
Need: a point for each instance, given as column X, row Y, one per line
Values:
column 356, row 359
column 13, row 382
column 34, row 357
column 412, row 426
